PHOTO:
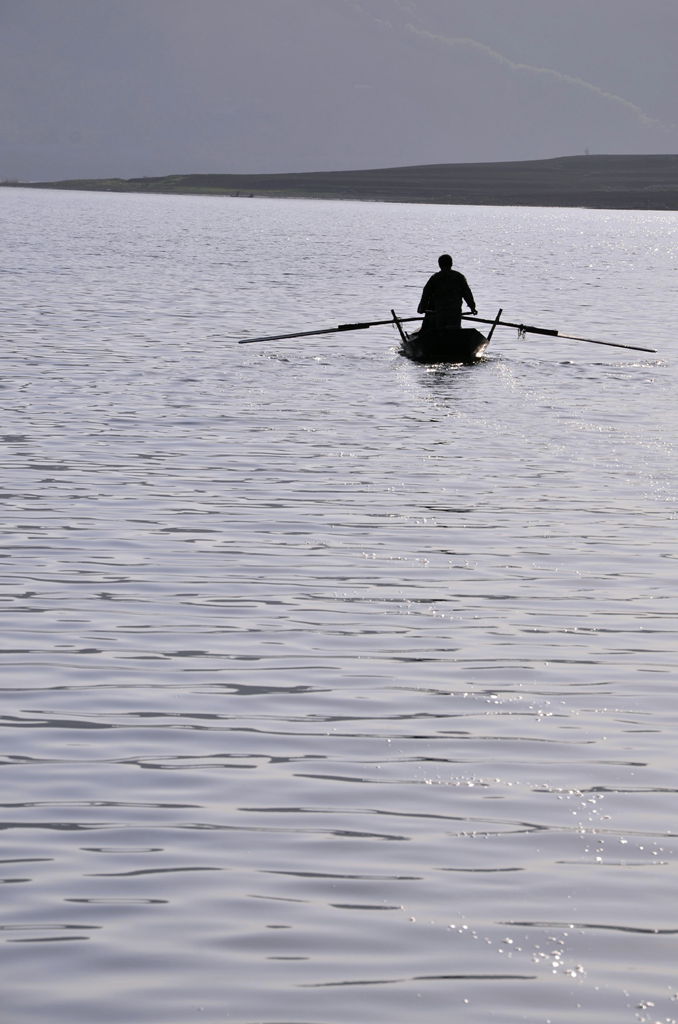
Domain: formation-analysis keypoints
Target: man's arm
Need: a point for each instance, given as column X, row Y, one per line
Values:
column 425, row 300
column 467, row 295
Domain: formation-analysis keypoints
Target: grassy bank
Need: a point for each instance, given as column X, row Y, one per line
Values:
column 608, row 182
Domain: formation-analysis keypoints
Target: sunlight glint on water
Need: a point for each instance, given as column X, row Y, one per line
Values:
column 335, row 688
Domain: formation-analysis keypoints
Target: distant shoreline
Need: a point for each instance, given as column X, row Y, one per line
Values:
column 597, row 182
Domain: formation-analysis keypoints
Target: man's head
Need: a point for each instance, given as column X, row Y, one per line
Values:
column 445, row 262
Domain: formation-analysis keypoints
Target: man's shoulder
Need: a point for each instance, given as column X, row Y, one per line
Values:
column 449, row 275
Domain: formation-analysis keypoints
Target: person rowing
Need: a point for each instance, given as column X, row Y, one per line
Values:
column 442, row 297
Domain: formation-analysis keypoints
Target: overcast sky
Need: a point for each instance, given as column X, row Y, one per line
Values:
column 144, row 87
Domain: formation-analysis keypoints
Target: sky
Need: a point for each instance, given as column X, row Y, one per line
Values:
column 126, row 88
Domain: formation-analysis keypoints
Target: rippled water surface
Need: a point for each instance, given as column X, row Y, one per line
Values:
column 336, row 689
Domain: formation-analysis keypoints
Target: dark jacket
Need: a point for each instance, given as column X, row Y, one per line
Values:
column 443, row 294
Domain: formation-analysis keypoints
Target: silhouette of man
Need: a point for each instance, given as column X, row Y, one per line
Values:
column 442, row 297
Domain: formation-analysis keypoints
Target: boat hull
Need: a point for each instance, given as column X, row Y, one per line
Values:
column 465, row 345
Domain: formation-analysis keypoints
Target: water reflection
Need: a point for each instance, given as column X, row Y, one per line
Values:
column 325, row 672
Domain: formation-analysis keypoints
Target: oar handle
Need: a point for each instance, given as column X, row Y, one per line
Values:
column 507, row 323
column 374, row 323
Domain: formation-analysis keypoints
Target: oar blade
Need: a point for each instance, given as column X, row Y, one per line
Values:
column 283, row 337
column 612, row 344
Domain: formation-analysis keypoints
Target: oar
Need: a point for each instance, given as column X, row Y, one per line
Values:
column 326, row 330
column 523, row 328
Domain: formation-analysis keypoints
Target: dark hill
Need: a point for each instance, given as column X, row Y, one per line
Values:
column 611, row 182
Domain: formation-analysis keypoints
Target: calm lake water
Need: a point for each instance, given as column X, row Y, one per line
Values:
column 336, row 689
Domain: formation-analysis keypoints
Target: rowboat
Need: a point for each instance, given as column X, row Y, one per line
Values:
column 465, row 345
column 449, row 345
